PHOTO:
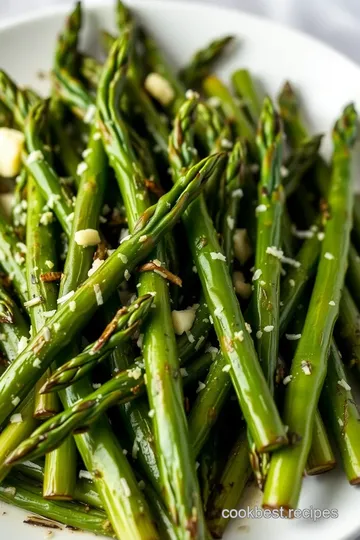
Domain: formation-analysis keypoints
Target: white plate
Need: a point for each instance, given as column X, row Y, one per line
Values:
column 326, row 81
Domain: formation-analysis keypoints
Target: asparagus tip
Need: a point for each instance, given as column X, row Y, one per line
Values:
column 346, row 127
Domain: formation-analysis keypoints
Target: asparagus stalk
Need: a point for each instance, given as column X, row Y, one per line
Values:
column 159, row 345
column 309, row 364
column 267, row 266
column 121, row 328
column 234, row 338
column 234, row 181
column 244, row 88
column 13, row 326
column 41, row 258
column 13, row 258
column 38, row 166
column 60, row 466
column 152, row 225
column 203, row 61
column 353, row 275
column 347, row 329
column 122, row 388
column 122, row 499
column 84, row 490
column 356, row 218
column 14, row 335
column 339, row 409
column 228, row 489
column 214, row 88
column 28, row 497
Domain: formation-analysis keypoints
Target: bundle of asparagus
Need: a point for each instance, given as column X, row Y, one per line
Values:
column 129, row 336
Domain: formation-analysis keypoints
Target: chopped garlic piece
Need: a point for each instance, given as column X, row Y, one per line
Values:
column 239, row 335
column 242, row 246
column 37, row 363
column 36, row 155
column 192, row 94
column 182, row 320
column 268, row 328
column 287, row 379
column 293, row 337
column 95, row 265
column 306, row 367
column 22, row 344
column 47, row 334
column 261, row 208
column 134, row 373
column 98, row 294
column 16, row 418
column 87, row 237
column 218, row 256
column 344, row 384
column 230, row 222
column 15, row 401
column 257, row 274
column 90, row 114
column 159, row 88
column 85, row 474
column 123, row 257
column 63, row 299
column 125, row 487
column 33, row 302
column 48, row 314
column 241, row 288
column 72, row 306
column 329, row 256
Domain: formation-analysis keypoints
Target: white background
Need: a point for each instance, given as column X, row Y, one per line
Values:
column 335, row 21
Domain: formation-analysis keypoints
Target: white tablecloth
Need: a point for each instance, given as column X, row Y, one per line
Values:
column 335, row 21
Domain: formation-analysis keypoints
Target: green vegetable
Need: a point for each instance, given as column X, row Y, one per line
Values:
column 313, row 347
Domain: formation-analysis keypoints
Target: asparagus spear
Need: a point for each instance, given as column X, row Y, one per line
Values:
column 203, row 61
column 339, row 408
column 122, row 388
column 266, row 277
column 245, row 90
column 290, row 110
column 234, row 338
column 13, row 326
column 214, row 88
column 80, row 415
column 122, row 327
column 60, row 466
column 353, row 275
column 38, row 166
column 84, row 490
column 309, row 364
column 347, row 329
column 13, row 258
column 234, row 181
column 65, row 325
column 228, row 489
column 356, row 218
column 15, row 336
column 176, row 465
column 123, row 501
column 66, row 48
column 18, row 101
column 41, row 258
column 28, row 497
column 85, row 493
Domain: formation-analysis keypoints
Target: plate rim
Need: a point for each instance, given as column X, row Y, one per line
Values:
column 63, row 8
